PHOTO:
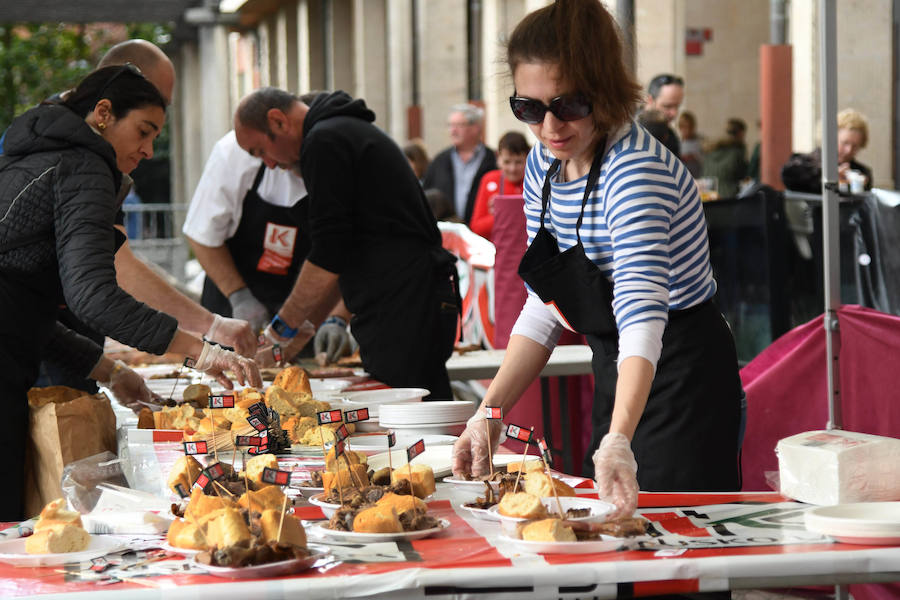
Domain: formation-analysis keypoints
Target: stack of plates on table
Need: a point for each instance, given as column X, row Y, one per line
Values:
column 375, row 400
column 440, row 417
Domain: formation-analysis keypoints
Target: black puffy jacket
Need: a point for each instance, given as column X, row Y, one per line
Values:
column 58, row 182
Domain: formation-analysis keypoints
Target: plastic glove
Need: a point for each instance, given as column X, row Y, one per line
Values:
column 234, row 333
column 616, row 473
column 246, row 307
column 214, row 360
column 333, row 339
column 470, row 452
column 128, row 387
column 289, row 347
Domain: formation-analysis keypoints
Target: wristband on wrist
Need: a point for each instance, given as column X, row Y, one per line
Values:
column 334, row 320
column 281, row 327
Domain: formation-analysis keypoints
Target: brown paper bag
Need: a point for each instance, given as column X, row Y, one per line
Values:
column 62, row 432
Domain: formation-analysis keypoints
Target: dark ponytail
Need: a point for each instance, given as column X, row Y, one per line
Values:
column 582, row 39
column 124, row 87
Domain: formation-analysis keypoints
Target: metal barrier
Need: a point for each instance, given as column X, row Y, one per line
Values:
column 154, row 234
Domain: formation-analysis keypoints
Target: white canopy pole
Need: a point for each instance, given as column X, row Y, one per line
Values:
column 831, row 241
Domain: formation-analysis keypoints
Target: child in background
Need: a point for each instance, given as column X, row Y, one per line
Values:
column 505, row 181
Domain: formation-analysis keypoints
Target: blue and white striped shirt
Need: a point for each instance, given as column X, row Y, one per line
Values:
column 643, row 227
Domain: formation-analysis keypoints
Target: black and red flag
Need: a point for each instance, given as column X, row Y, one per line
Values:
column 493, row 412
column 392, row 438
column 202, row 480
column 221, row 400
column 329, row 416
column 181, row 491
column 257, row 410
column 275, row 476
column 254, row 450
column 359, row 414
column 415, row 450
column 257, row 423
column 195, row 448
column 249, row 440
column 215, row 471
column 518, row 433
column 545, row 452
column 341, row 433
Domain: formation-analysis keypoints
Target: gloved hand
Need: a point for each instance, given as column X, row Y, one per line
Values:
column 128, row 387
column 234, row 333
column 290, row 347
column 470, row 452
column 616, row 473
column 246, row 307
column 333, row 339
column 215, row 360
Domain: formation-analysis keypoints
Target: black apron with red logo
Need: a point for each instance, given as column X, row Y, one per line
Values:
column 268, row 248
column 687, row 438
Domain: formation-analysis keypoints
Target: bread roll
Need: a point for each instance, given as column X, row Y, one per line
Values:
column 377, row 519
column 270, row 497
column 184, row 472
column 186, row 535
column 402, row 503
column 355, row 477
column 422, row 479
column 355, row 458
column 228, row 529
column 200, row 504
column 530, row 465
column 56, row 513
column 539, row 484
column 293, row 379
column 247, row 397
column 255, row 466
column 291, row 531
column 58, row 538
column 547, row 530
column 522, row 505
column 197, row 392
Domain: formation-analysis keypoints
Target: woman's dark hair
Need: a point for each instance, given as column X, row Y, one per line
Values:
column 582, row 39
column 124, row 87
column 514, row 143
column 415, row 152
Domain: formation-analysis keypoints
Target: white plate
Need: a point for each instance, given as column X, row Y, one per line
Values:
column 604, row 544
column 379, row 441
column 284, row 567
column 858, row 523
column 480, row 513
column 387, row 396
column 13, row 552
column 428, row 428
column 445, row 411
column 185, row 551
column 317, row 386
column 599, row 510
column 354, row 536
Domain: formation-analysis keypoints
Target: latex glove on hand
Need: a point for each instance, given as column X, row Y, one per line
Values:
column 470, row 452
column 234, row 333
column 289, row 347
column 128, row 387
column 615, row 471
column 214, row 360
column 332, row 339
column 246, row 307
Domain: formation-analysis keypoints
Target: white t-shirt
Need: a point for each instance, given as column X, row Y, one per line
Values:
column 218, row 202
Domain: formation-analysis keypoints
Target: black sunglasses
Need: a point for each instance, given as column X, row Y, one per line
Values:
column 126, row 68
column 568, row 107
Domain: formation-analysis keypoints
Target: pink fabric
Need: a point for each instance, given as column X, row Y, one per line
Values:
column 510, row 242
column 787, row 388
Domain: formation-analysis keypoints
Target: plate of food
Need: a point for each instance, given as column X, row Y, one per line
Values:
column 574, row 508
column 13, row 552
column 323, row 530
column 302, row 561
column 184, row 551
column 476, row 511
column 328, row 508
column 476, row 485
column 592, row 546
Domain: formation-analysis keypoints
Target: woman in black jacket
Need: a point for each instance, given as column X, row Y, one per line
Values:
column 62, row 166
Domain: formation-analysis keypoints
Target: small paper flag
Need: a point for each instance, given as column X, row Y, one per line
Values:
column 415, row 450
column 215, row 471
column 518, row 433
column 493, row 412
column 545, row 452
column 341, row 433
column 359, row 414
column 392, row 439
column 249, row 440
column 221, row 401
column 275, row 476
column 195, row 448
column 256, row 423
column 329, row 416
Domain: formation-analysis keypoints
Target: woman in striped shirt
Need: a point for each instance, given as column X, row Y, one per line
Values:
column 617, row 251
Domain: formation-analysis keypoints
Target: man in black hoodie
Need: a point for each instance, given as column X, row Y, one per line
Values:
column 374, row 239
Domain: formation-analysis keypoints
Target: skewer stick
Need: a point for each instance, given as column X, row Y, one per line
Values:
column 412, row 489
column 487, row 431
column 246, row 485
column 522, row 464
column 352, row 473
column 281, row 522
column 562, row 515
column 212, row 424
column 224, row 489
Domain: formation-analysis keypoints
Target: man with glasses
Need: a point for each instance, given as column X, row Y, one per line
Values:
column 665, row 94
column 457, row 170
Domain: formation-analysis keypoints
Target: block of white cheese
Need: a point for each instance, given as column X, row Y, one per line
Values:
column 836, row 467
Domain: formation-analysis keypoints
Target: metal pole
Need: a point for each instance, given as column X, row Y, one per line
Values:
column 831, row 241
column 625, row 16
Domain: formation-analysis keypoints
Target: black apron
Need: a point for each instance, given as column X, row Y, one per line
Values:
column 687, row 437
column 268, row 248
column 406, row 325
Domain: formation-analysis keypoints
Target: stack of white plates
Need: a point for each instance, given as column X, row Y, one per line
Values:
column 373, row 400
column 440, row 417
